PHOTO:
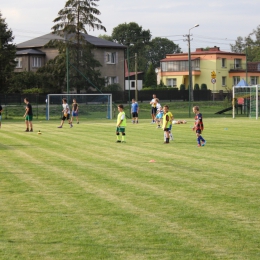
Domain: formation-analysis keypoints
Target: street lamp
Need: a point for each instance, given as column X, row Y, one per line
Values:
column 190, row 70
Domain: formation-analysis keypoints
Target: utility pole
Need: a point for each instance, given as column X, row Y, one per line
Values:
column 190, row 69
column 136, row 90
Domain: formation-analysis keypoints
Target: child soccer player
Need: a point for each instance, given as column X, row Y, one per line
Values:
column 159, row 113
column 153, row 111
column 134, row 111
column 166, row 124
column 75, row 110
column 121, row 124
column 170, row 129
column 198, row 126
column 66, row 113
column 28, row 115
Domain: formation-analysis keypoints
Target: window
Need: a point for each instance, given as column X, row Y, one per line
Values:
column 258, row 67
column 111, row 57
column 236, row 80
column 133, row 84
column 111, row 80
column 195, row 64
column 223, row 63
column 224, row 82
column 171, row 82
column 179, row 65
column 19, row 62
column 237, row 64
column 253, row 80
column 37, row 62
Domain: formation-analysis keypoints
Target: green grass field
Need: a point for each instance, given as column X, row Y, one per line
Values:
column 77, row 194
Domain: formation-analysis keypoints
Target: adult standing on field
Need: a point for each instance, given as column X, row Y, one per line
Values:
column 153, row 109
column 28, row 115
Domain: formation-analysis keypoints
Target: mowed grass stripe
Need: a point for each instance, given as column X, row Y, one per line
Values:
column 135, row 189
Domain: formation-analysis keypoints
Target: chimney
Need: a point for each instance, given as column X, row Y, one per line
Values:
column 215, row 48
column 199, row 49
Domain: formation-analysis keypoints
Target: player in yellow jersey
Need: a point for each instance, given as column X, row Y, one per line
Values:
column 121, row 124
column 166, row 124
column 171, row 119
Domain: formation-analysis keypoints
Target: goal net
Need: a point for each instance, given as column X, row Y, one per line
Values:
column 248, row 98
column 91, row 106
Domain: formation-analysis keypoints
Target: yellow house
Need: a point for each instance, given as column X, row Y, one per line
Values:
column 219, row 70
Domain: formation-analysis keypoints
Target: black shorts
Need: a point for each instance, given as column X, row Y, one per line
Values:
column 64, row 117
column 198, row 131
column 154, row 110
column 134, row 114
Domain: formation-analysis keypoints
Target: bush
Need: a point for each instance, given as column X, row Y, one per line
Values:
column 161, row 85
column 182, row 87
column 196, row 86
column 203, row 86
column 33, row 91
column 112, row 87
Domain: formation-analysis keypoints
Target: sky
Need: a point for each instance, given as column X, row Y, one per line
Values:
column 220, row 22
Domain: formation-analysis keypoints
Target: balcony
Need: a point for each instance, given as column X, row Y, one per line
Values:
column 237, row 67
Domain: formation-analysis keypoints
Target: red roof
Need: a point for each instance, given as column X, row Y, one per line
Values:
column 179, row 59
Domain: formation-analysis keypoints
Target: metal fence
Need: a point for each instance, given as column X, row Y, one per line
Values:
column 13, row 104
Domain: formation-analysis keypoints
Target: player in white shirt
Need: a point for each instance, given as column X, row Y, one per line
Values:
column 66, row 113
column 159, row 113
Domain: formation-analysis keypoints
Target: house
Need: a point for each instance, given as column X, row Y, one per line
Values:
column 32, row 55
column 132, row 79
column 227, row 68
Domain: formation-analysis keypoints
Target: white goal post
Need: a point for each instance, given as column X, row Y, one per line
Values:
column 91, row 106
column 249, row 99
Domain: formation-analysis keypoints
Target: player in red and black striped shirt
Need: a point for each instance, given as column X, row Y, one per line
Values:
column 198, row 126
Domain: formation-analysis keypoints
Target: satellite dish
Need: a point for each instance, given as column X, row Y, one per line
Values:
column 156, row 70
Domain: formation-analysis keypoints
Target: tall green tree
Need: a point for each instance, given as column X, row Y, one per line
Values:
column 105, row 37
column 72, row 22
column 250, row 45
column 7, row 55
column 136, row 39
column 158, row 48
column 150, row 77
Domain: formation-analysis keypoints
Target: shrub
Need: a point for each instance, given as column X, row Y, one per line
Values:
column 182, row 87
column 112, row 87
column 196, row 86
column 203, row 86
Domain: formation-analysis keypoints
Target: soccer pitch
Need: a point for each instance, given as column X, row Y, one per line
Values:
column 74, row 193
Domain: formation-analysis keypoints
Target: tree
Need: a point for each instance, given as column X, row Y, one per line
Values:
column 158, row 48
column 150, row 77
column 7, row 55
column 75, row 16
column 23, row 81
column 71, row 23
column 83, row 70
column 53, row 74
column 249, row 45
column 105, row 37
column 135, row 38
column 239, row 45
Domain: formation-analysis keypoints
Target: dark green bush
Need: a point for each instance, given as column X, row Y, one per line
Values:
column 182, row 87
column 196, row 86
column 203, row 86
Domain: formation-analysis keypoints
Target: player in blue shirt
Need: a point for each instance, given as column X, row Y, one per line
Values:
column 134, row 111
